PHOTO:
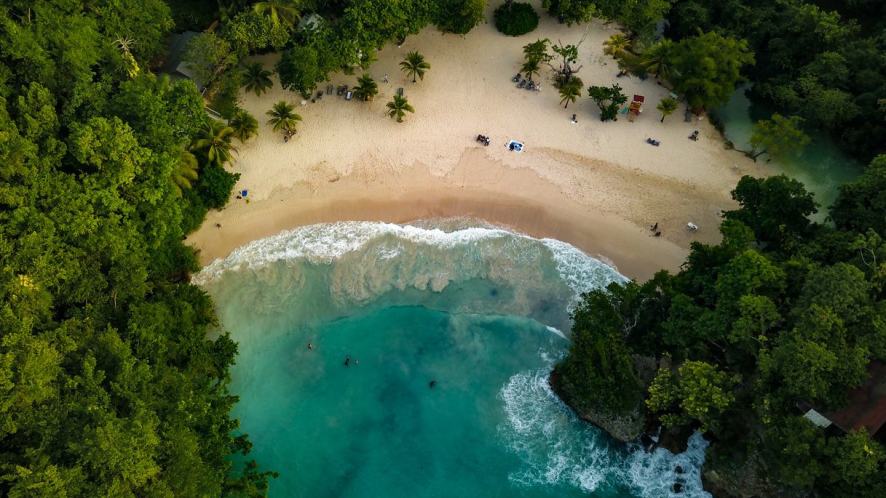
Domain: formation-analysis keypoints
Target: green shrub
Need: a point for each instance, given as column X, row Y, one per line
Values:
column 214, row 186
column 515, row 19
column 459, row 16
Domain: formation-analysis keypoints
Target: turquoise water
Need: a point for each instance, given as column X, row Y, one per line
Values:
column 821, row 166
column 475, row 310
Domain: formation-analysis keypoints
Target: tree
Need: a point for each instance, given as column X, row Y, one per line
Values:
column 699, row 392
column 208, row 56
column 666, row 107
column 299, row 69
column 571, row 11
column 858, row 464
column 459, row 16
column 185, row 172
column 641, row 16
column 256, row 78
column 777, row 209
column 778, row 137
column 861, row 203
column 414, row 65
column 213, row 143
column 112, row 381
column 280, row 12
column 249, row 32
column 616, row 45
column 568, row 57
column 283, row 117
column 608, row 99
column 657, row 60
column 707, row 67
column 398, row 107
column 245, row 126
column 534, row 54
column 515, row 18
column 598, row 374
column 570, row 91
column 366, row 88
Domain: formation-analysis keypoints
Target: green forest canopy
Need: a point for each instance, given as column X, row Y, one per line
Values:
column 783, row 311
column 110, row 386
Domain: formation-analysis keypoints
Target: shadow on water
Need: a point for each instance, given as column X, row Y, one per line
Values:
column 822, row 166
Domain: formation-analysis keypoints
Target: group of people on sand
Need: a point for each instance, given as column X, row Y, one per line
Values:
column 655, row 231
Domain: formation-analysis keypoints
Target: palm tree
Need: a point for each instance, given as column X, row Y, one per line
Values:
column 279, row 11
column 245, row 126
column 414, row 65
column 185, row 172
column 283, row 117
column 366, row 87
column 256, row 78
column 656, row 60
column 666, row 107
column 214, row 142
column 616, row 45
column 398, row 108
column 530, row 67
column 570, row 91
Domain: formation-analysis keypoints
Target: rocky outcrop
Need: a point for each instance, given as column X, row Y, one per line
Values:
column 623, row 428
column 739, row 480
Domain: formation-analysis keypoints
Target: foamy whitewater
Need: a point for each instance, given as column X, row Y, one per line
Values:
column 449, row 329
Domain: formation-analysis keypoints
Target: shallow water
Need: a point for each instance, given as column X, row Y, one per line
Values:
column 475, row 309
column 821, row 166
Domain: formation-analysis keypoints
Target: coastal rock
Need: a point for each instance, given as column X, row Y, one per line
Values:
column 675, row 440
column 726, row 480
column 624, row 429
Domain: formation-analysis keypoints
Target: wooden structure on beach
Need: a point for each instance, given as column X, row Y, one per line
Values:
column 635, row 108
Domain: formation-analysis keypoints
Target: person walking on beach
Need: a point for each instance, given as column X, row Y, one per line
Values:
column 385, row 79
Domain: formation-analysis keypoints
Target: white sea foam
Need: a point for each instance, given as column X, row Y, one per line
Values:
column 582, row 272
column 559, row 449
column 556, row 331
column 325, row 243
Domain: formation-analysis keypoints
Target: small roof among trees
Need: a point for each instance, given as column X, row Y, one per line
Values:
column 867, row 403
column 174, row 64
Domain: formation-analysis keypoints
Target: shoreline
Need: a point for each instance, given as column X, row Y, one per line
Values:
column 597, row 186
column 525, row 203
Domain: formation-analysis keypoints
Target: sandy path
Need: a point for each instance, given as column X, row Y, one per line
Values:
column 595, row 185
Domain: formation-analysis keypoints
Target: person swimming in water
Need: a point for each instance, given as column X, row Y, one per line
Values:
column 310, row 347
column 348, row 360
column 432, row 383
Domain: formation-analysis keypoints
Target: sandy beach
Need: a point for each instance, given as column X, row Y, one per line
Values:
column 595, row 185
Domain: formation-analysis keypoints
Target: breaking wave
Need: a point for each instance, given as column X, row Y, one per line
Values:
column 558, row 449
column 357, row 262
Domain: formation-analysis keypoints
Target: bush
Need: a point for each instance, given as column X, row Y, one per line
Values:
column 515, row 19
column 459, row 16
column 299, row 70
column 214, row 186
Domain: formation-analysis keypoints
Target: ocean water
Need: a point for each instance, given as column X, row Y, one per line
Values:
column 451, row 328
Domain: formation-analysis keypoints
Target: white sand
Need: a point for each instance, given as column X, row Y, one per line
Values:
column 597, row 185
